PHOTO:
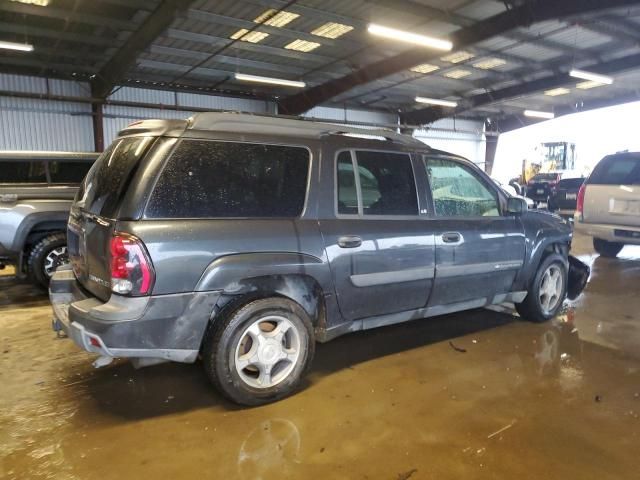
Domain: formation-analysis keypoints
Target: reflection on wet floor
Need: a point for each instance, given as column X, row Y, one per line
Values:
column 474, row 395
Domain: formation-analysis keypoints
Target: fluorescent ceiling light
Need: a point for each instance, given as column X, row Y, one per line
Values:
column 594, row 77
column 538, row 114
column 252, row 37
column 457, row 57
column 280, row 19
column 273, row 81
column 588, row 85
column 332, row 30
column 435, row 101
column 425, row 68
column 556, row 92
column 23, row 47
column 302, row 45
column 457, row 73
column 39, row 3
column 409, row 37
column 489, row 63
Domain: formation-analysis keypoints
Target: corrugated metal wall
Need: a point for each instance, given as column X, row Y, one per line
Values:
column 33, row 124
column 342, row 115
column 118, row 117
column 462, row 137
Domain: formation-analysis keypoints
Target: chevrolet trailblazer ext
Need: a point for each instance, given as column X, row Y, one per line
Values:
column 244, row 239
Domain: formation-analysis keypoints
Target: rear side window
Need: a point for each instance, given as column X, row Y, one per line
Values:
column 386, row 182
column 347, row 192
column 109, row 177
column 617, row 170
column 22, row 172
column 68, row 172
column 208, row 179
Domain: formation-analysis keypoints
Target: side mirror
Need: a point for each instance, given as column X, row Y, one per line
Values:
column 516, row 205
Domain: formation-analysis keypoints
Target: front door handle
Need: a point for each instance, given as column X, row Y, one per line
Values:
column 349, row 241
column 451, row 237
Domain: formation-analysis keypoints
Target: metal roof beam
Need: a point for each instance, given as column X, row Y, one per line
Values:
column 233, row 61
column 135, row 4
column 23, row 30
column 506, row 21
column 67, row 15
column 156, row 23
column 431, row 114
column 36, row 63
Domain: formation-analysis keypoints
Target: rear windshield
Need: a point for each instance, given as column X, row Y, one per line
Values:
column 617, row 170
column 545, row 177
column 108, row 178
column 209, row 179
column 571, row 183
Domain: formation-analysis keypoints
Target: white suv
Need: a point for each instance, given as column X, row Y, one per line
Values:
column 608, row 207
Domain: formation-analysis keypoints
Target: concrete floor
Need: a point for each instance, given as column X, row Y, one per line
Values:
column 525, row 401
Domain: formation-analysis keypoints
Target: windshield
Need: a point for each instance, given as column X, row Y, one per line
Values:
column 545, row 177
column 108, row 178
column 617, row 170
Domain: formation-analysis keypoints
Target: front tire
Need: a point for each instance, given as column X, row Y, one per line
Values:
column 547, row 291
column 606, row 248
column 259, row 352
column 46, row 256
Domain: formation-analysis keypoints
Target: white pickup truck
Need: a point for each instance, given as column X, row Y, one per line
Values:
column 608, row 207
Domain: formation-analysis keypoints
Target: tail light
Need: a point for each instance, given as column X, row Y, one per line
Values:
column 132, row 272
column 580, row 200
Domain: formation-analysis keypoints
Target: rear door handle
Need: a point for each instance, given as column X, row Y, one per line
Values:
column 349, row 241
column 451, row 237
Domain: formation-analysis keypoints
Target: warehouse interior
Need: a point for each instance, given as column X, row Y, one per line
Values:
column 480, row 393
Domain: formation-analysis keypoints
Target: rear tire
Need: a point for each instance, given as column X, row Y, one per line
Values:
column 606, row 248
column 547, row 290
column 259, row 352
column 48, row 254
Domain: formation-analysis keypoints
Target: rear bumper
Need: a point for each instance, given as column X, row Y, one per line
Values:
column 164, row 327
column 606, row 232
column 565, row 212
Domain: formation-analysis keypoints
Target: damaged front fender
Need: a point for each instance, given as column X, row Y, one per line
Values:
column 578, row 277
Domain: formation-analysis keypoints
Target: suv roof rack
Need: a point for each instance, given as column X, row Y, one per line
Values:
column 278, row 124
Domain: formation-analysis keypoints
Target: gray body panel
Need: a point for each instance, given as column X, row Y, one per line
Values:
column 400, row 270
column 29, row 207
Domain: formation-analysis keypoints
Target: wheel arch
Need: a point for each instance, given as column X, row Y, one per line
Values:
column 36, row 226
column 543, row 247
column 242, row 278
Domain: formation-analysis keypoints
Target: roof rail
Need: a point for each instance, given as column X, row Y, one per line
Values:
column 284, row 125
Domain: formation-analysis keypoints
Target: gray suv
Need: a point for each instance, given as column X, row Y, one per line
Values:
column 244, row 239
column 36, row 191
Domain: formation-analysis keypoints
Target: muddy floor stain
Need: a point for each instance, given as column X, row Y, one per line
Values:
column 528, row 401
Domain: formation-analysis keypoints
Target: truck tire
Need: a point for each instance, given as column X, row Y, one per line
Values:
column 606, row 248
column 259, row 352
column 547, row 290
column 48, row 254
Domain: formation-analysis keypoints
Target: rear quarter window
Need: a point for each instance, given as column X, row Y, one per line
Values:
column 617, row 170
column 213, row 179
